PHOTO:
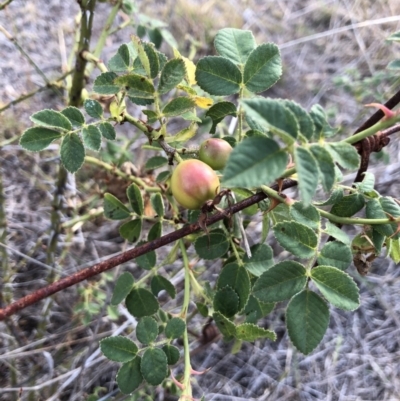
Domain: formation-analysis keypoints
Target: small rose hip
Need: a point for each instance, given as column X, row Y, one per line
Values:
column 193, row 183
column 215, row 152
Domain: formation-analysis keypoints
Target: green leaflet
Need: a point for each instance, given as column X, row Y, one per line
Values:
column 307, row 318
column 218, row 76
column 255, row 161
column 234, row 44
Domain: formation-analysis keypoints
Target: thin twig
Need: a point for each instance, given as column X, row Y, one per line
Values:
column 5, row 4
column 105, row 33
column 31, row 62
column 34, row 92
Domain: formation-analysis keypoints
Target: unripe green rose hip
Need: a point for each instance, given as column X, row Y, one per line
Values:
column 215, row 152
column 193, row 183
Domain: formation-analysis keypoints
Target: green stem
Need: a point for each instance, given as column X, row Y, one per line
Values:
column 105, row 33
column 115, row 170
column 186, row 297
column 355, row 220
column 272, row 193
column 336, row 219
column 121, row 26
column 237, row 256
column 197, row 288
column 81, row 219
column 240, row 117
column 381, row 125
column 151, row 273
column 137, row 123
column 86, row 55
column 187, row 387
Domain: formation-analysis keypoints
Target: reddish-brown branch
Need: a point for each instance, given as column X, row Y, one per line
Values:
column 128, row 255
column 174, row 236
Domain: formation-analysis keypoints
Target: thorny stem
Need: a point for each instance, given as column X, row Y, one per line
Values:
column 378, row 115
column 187, row 388
column 126, row 256
column 78, row 80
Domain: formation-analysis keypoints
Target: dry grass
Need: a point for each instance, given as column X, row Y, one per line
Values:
column 331, row 50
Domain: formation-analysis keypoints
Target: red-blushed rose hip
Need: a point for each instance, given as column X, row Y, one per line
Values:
column 215, row 152
column 194, row 182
